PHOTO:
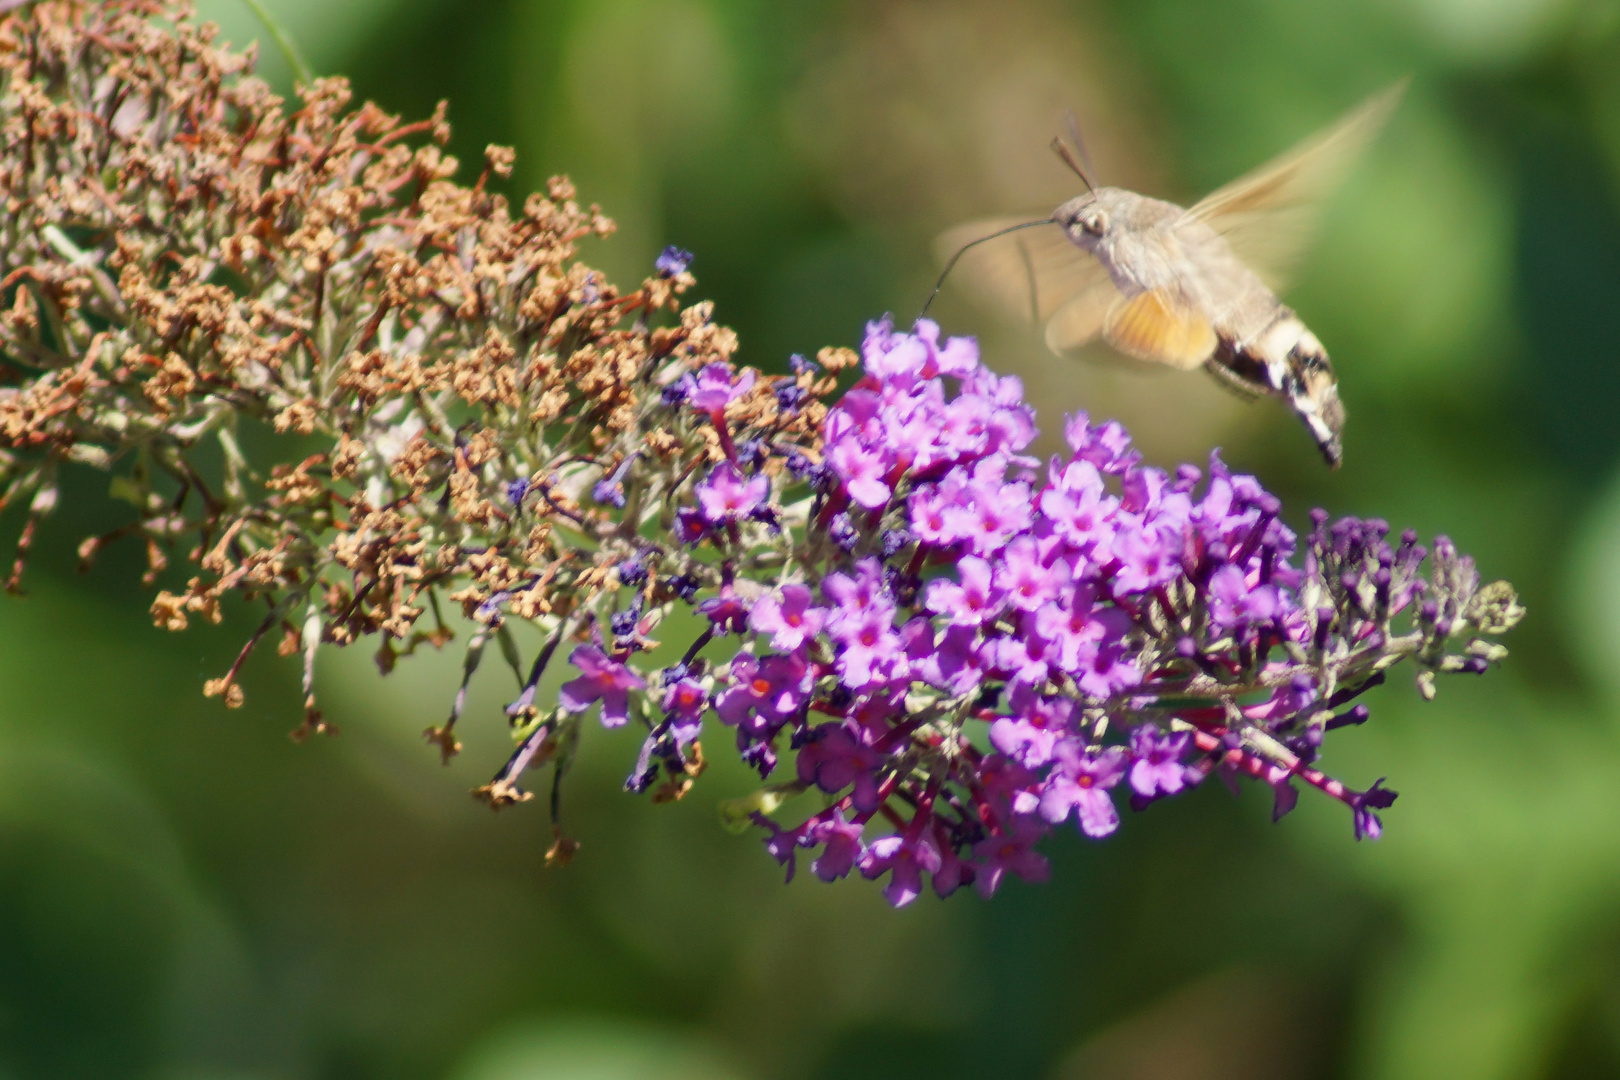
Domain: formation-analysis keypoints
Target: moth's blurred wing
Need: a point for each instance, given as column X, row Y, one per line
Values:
column 1028, row 275
column 1156, row 325
column 1080, row 320
column 1268, row 215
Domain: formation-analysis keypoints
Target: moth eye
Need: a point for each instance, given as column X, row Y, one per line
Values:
column 1095, row 223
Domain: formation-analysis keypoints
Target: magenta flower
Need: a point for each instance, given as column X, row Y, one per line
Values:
column 601, row 679
column 1233, row 603
column 1053, row 606
column 725, row 496
column 862, row 471
column 957, row 663
column 871, row 650
column 763, row 693
column 711, row 389
column 1081, row 781
column 972, row 602
column 1026, row 580
column 1029, row 736
column 791, row 621
column 1149, row 555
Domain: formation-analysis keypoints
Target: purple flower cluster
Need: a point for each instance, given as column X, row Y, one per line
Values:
column 962, row 648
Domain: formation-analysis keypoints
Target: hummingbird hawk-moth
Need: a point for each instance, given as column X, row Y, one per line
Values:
column 1183, row 287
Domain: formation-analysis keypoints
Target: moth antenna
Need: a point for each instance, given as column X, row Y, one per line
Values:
column 1061, row 149
column 1080, row 147
column 949, row 266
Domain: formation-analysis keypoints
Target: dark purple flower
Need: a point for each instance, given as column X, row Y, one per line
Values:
column 790, row 397
column 835, row 759
column 843, row 846
column 690, row 527
column 782, row 844
column 904, row 857
column 684, row 702
column 1156, row 768
column 1377, row 797
column 601, row 679
column 727, row 612
column 1012, row 850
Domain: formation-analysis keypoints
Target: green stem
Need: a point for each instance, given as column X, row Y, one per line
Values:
column 289, row 51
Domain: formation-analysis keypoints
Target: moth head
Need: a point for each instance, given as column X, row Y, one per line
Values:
column 1086, row 219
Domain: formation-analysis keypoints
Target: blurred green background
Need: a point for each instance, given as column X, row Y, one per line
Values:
column 186, row 894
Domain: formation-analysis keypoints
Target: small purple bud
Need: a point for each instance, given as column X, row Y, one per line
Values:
column 790, row 398
column 609, row 492
column 517, row 489
column 491, row 608
column 1348, row 718
column 1319, row 517
column 1430, row 611
column 1476, row 665
column 624, row 622
column 632, row 572
column 1187, row 648
column 685, row 586
column 675, row 393
column 673, row 262
column 799, row 365
column 896, row 541
column 752, row 453
column 642, row 780
column 842, row 532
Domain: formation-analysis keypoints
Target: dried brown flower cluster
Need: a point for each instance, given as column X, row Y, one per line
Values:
column 183, row 258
